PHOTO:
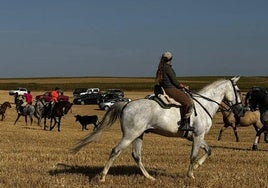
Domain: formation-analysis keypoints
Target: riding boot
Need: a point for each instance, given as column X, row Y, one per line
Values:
column 184, row 125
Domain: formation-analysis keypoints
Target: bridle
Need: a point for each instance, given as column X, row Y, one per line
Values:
column 211, row 100
column 235, row 92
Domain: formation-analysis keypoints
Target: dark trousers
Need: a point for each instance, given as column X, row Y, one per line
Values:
column 182, row 97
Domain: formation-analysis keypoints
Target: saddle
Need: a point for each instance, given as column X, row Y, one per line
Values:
column 163, row 99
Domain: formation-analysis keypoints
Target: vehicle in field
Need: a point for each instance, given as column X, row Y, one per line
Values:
column 90, row 91
column 20, row 91
column 105, row 105
column 119, row 92
column 77, row 91
column 47, row 97
column 92, row 98
column 109, row 97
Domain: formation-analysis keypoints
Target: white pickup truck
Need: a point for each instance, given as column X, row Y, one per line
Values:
column 90, row 91
column 19, row 91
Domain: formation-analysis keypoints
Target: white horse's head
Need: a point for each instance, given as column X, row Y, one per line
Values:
column 232, row 95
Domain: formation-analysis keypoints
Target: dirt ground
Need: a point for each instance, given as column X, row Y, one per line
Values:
column 33, row 157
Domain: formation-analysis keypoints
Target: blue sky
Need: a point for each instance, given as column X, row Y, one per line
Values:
column 127, row 37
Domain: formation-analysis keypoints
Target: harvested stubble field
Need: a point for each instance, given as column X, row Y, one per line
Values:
column 32, row 157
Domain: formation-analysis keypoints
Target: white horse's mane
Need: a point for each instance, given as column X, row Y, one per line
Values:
column 210, row 86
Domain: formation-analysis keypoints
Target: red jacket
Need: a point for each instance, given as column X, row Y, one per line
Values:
column 54, row 96
column 28, row 98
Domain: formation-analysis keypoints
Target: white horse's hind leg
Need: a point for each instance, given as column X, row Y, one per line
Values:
column 114, row 154
column 136, row 154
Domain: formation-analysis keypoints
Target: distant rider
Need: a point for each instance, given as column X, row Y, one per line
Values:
column 28, row 98
column 54, row 99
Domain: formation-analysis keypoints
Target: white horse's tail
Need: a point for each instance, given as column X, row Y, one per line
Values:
column 109, row 118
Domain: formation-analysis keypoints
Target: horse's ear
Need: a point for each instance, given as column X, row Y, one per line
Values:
column 235, row 79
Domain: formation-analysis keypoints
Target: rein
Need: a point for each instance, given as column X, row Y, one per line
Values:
column 208, row 99
column 211, row 100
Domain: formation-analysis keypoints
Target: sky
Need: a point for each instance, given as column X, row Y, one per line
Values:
column 126, row 38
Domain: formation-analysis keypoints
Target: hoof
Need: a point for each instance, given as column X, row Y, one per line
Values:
column 102, row 179
column 151, row 178
column 191, row 176
column 254, row 147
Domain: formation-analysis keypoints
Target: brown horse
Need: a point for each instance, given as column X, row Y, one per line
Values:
column 60, row 109
column 249, row 118
column 3, row 109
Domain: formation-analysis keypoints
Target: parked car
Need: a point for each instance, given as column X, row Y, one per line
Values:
column 109, row 97
column 93, row 98
column 105, row 105
column 47, row 97
column 90, row 91
column 77, row 91
column 19, row 91
column 115, row 91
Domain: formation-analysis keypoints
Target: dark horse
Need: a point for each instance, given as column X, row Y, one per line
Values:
column 25, row 111
column 60, row 109
column 259, row 99
column 3, row 108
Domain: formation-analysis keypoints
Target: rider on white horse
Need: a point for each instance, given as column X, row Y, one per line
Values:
column 167, row 79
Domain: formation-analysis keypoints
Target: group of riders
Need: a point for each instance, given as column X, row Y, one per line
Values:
column 27, row 99
column 165, row 77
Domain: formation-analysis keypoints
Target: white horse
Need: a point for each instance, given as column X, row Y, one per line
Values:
column 143, row 115
column 41, row 108
column 27, row 110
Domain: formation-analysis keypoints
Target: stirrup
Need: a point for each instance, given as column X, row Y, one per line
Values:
column 185, row 126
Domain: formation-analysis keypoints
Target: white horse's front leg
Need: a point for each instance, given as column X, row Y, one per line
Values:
column 194, row 152
column 204, row 157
